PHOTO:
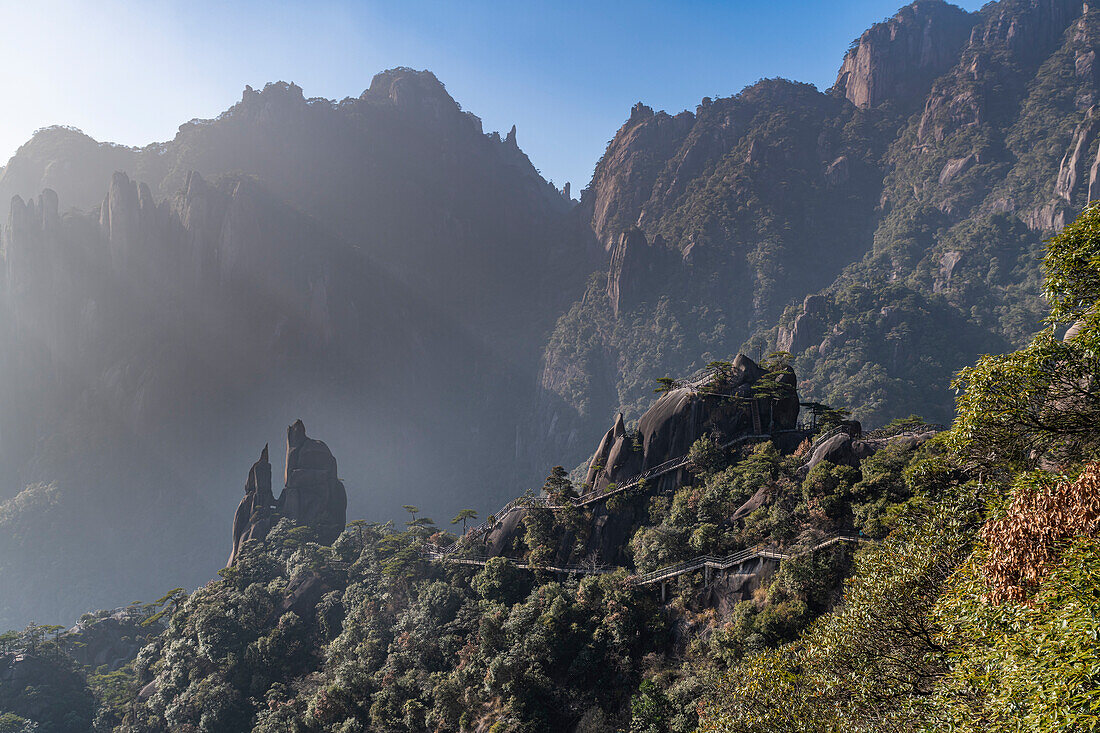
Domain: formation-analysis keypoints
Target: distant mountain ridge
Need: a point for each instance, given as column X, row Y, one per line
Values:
column 885, row 231
column 378, row 266
column 383, row 268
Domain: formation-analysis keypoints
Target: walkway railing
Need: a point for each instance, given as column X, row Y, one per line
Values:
column 704, row 562
column 695, row 383
column 592, row 497
column 660, row 575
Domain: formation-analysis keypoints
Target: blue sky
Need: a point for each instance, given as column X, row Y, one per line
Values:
column 565, row 73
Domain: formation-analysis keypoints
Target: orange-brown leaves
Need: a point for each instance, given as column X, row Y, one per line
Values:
column 1044, row 515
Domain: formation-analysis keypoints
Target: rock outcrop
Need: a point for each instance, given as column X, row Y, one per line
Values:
column 109, row 638
column 668, row 430
column 255, row 515
column 731, row 407
column 313, row 494
column 848, row 449
column 898, row 59
column 808, row 328
column 681, row 416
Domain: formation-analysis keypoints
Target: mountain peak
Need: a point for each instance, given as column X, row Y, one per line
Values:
column 408, row 88
column 898, row 59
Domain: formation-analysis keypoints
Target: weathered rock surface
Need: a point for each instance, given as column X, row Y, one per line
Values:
column 110, row 639
column 313, row 494
column 808, row 328
column 255, row 514
column 844, row 450
column 625, row 178
column 897, row 60
column 666, row 432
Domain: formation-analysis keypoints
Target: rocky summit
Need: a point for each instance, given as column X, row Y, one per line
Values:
column 313, row 495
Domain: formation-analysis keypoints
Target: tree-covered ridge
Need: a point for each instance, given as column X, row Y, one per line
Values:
column 915, row 222
column 373, row 634
column 979, row 611
column 973, row 608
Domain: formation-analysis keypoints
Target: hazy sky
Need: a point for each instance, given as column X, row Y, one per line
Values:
column 565, row 73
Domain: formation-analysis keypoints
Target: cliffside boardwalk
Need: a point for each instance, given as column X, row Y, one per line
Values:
column 707, row 563
column 698, row 384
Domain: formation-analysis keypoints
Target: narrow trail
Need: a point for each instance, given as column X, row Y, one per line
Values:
column 707, row 563
column 521, row 503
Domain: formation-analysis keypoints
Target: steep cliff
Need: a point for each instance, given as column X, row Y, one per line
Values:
column 884, row 231
column 896, row 61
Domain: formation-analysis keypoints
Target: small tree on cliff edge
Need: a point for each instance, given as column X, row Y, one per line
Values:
column 463, row 516
column 558, row 486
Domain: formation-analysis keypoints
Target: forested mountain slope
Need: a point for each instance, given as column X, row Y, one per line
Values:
column 964, row 595
column 885, row 231
column 382, row 268
column 377, row 266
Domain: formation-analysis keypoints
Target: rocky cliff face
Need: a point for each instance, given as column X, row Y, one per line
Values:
column 885, row 232
column 626, row 173
column 897, row 60
column 313, row 495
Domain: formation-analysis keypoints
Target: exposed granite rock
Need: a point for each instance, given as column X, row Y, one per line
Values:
column 948, row 262
column 681, row 416
column 110, row 639
column 303, row 594
column 1072, row 332
column 255, row 515
column 897, row 60
column 840, row 450
column 844, row 450
column 665, row 432
column 808, row 328
column 599, row 458
column 313, row 494
column 419, row 93
column 624, row 177
column 119, row 220
column 1026, row 31
column 635, row 268
column 727, row 589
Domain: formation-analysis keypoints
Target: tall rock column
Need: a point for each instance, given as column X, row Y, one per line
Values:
column 313, row 494
column 255, row 514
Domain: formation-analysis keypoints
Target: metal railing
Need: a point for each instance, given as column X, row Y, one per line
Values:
column 702, row 562
column 738, row 558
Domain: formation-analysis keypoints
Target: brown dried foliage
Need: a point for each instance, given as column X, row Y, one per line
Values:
column 1026, row 542
column 803, row 448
